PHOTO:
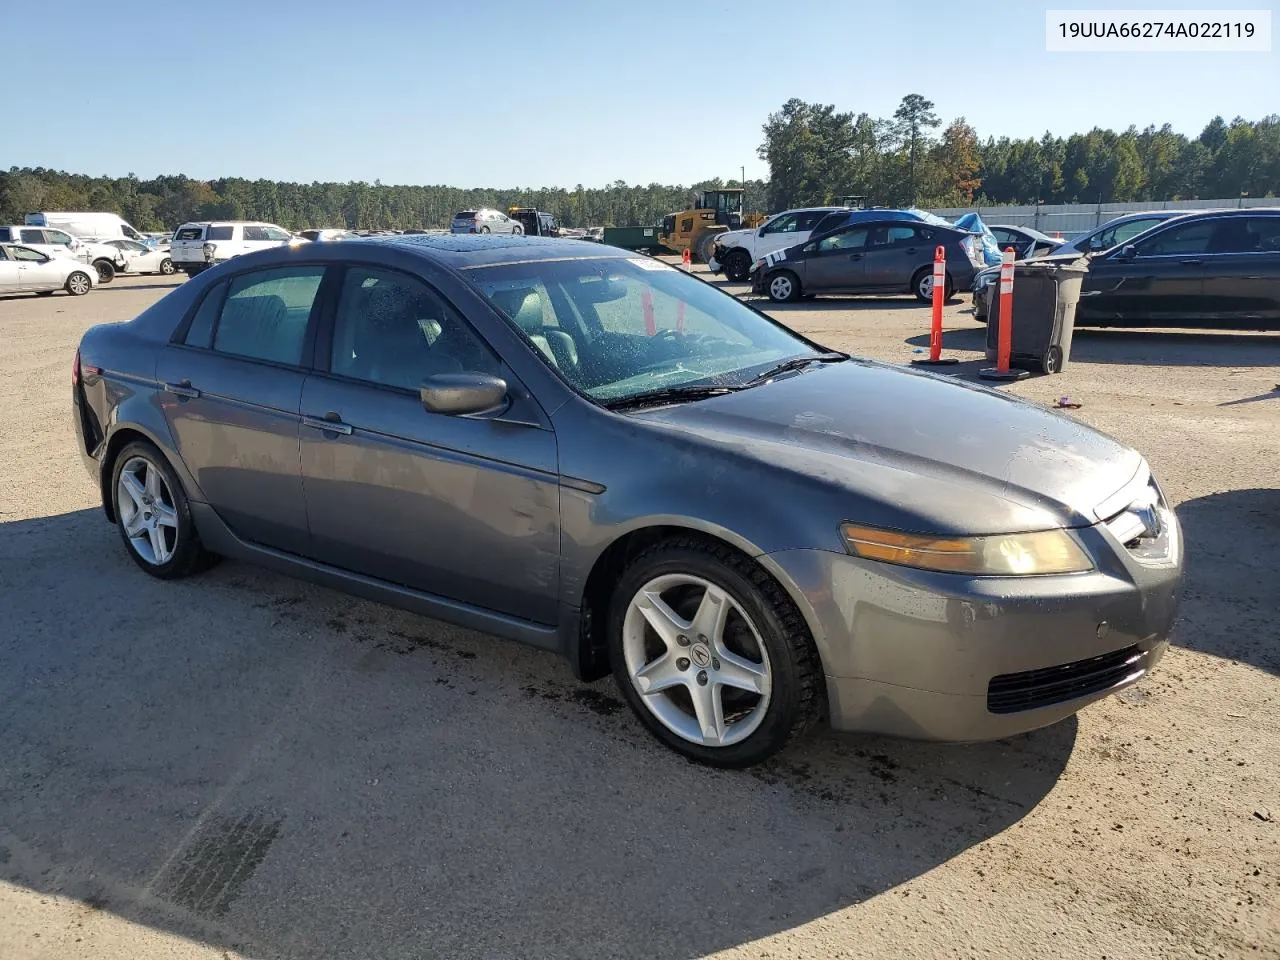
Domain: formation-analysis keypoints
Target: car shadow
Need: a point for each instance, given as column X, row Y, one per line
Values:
column 1183, row 348
column 1233, row 555
column 276, row 768
column 135, row 287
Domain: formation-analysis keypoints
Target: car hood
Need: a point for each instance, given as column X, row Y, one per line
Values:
column 730, row 237
column 915, row 450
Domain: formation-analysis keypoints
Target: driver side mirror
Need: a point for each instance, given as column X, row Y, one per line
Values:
column 463, row 394
column 810, row 247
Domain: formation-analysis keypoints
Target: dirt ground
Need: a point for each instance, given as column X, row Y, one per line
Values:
column 241, row 765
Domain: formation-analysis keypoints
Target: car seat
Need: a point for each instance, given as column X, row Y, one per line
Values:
column 524, row 306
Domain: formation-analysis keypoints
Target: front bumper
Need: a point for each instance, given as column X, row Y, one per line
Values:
column 945, row 657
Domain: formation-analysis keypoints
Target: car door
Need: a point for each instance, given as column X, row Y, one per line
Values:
column 1160, row 278
column 836, row 261
column 38, row 271
column 892, row 255
column 465, row 508
column 1242, row 280
column 9, row 273
column 778, row 233
column 232, row 385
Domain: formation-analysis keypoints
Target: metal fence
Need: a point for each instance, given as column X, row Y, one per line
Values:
column 1069, row 219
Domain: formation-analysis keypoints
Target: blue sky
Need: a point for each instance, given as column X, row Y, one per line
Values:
column 542, row 93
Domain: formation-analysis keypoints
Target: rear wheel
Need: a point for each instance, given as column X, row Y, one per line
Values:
column 79, row 283
column 106, row 270
column 922, row 285
column 711, row 654
column 1052, row 360
column 166, row 266
column 517, row 231
column 484, row 229
column 737, row 265
column 783, row 287
column 153, row 515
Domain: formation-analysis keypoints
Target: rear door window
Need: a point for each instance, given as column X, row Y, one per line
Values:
column 33, row 236
column 786, row 223
column 222, row 233
column 252, row 232
column 809, row 220
column 855, row 238
column 276, row 233
column 266, row 313
column 200, row 333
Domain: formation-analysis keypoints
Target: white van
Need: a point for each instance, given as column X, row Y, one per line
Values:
column 89, row 226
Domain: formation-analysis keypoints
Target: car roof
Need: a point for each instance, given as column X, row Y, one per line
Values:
column 463, row 251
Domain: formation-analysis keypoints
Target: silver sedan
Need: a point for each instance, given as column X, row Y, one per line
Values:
column 23, row 270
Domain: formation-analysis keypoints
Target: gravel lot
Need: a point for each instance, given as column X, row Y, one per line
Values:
column 244, row 765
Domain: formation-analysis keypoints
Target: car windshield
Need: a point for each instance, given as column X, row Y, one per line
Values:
column 617, row 328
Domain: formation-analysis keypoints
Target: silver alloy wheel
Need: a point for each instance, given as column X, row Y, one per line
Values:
column 925, row 286
column 780, row 287
column 166, row 266
column 683, row 668
column 147, row 511
column 79, row 284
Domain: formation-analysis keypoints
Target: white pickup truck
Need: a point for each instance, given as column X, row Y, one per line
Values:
column 734, row 252
column 198, row 246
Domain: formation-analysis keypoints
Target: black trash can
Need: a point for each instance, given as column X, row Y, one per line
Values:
column 1045, row 294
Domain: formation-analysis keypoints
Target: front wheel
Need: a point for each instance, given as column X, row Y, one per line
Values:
column 1051, row 362
column 517, row 231
column 711, row 653
column 484, row 229
column 737, row 266
column 78, row 284
column 166, row 266
column 783, row 287
column 153, row 515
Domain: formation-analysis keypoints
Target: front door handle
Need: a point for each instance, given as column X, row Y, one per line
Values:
column 911, row 250
column 1191, row 261
column 855, row 256
column 329, row 423
column 182, row 389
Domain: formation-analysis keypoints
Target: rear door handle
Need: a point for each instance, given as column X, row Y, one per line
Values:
column 1191, row 261
column 855, row 256
column 329, row 423
column 182, row 389
column 911, row 250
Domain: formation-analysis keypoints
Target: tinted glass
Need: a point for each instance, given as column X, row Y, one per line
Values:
column 901, row 235
column 265, row 314
column 276, row 233
column 392, row 329
column 807, row 221
column 190, row 233
column 221, row 233
column 1123, row 233
column 619, row 327
column 1246, row 235
column 26, row 253
column 853, row 239
column 32, row 236
column 200, row 333
column 3, row 254
column 830, row 222
column 465, row 215
column 58, row 237
column 255, row 233
column 6, row 235
column 1185, row 238
column 783, row 224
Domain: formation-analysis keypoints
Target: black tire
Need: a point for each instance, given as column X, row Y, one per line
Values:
column 517, row 231
column 106, row 270
column 737, row 265
column 796, row 696
column 78, row 283
column 1051, row 362
column 189, row 555
column 701, row 251
column 195, row 269
column 788, row 292
column 166, row 267
column 484, row 229
column 917, row 281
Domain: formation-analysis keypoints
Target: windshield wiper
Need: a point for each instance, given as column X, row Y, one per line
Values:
column 796, row 363
column 670, row 395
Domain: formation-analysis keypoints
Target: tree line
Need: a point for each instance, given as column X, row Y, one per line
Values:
column 815, row 153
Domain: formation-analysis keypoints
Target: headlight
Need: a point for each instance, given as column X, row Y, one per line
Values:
column 1004, row 555
column 209, row 250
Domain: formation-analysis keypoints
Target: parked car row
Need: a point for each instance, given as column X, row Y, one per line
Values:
column 1219, row 267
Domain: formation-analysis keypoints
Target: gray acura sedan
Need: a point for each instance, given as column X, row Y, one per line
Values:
column 589, row 451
